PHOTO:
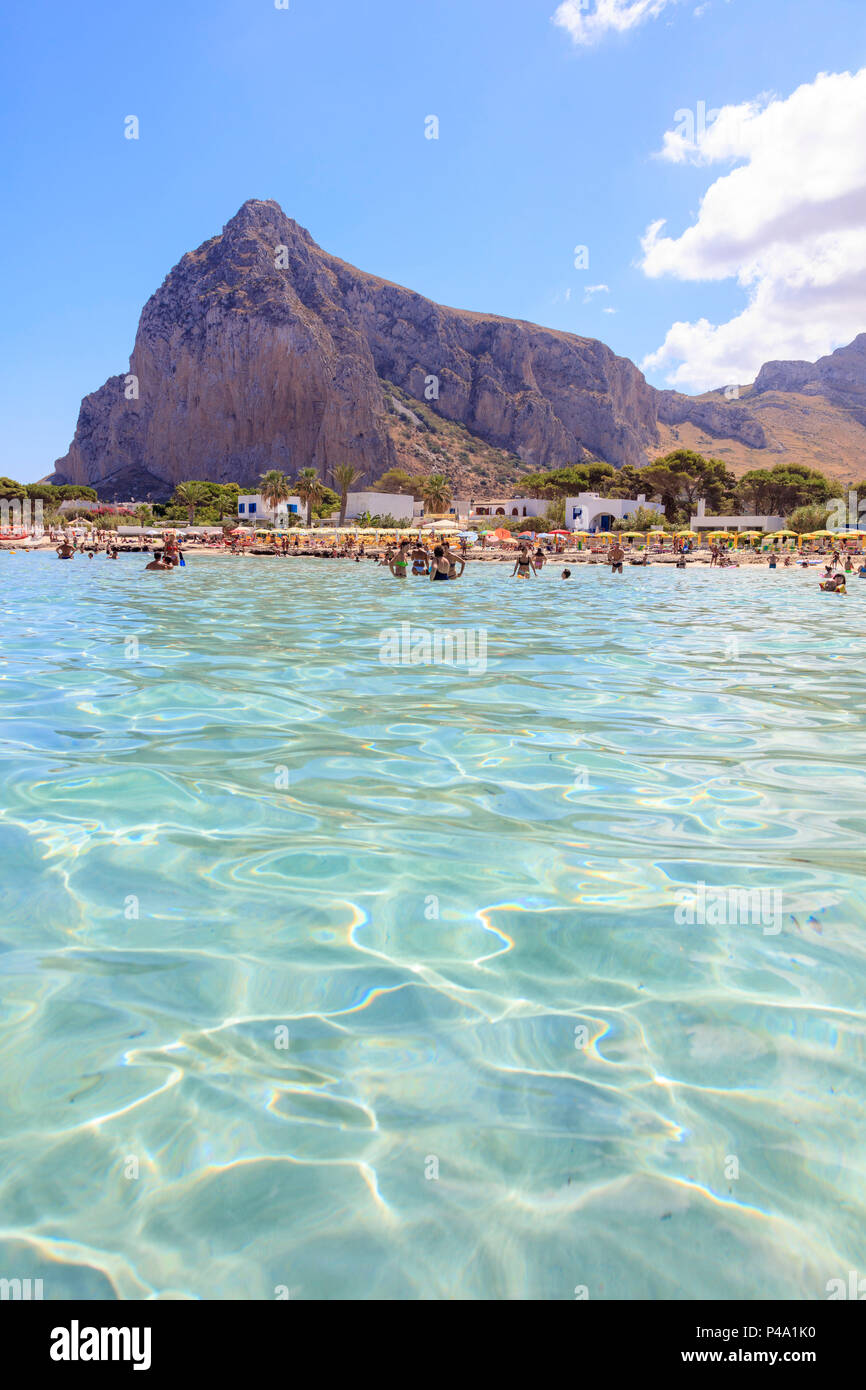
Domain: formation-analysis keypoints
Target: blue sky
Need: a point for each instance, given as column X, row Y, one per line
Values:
column 550, row 137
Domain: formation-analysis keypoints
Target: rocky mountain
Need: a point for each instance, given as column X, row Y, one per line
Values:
column 806, row 412
column 260, row 350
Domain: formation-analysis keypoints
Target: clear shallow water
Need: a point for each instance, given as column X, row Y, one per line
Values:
column 253, row 826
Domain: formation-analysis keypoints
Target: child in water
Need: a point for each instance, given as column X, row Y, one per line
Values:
column 566, row 574
column 836, row 585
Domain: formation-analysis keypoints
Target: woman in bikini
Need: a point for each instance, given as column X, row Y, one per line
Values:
column 523, row 566
column 440, row 567
column 453, row 562
column 400, row 564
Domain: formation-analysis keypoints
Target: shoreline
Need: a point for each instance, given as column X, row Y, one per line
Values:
column 567, row 557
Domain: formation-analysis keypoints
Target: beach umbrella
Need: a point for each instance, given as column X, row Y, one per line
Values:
column 501, row 534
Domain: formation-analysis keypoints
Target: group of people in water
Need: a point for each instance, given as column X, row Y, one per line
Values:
column 66, row 550
column 413, row 557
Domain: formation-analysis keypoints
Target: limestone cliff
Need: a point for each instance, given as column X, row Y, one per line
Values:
column 262, row 351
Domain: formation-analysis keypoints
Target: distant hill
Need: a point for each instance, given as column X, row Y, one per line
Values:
column 260, row 350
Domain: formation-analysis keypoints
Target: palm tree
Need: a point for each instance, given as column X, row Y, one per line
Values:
column 310, row 490
column 191, row 495
column 436, row 492
column 344, row 475
column 275, row 488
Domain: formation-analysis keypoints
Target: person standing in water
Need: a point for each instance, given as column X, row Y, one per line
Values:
column 453, row 562
column 523, row 566
column 440, row 568
column 617, row 555
column 158, row 562
column 400, row 563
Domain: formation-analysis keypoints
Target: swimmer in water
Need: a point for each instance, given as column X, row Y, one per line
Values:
column 400, row 564
column 65, row 551
column 566, row 574
column 617, row 555
column 523, row 567
column 836, row 585
column 440, row 568
column 158, row 562
column 453, row 562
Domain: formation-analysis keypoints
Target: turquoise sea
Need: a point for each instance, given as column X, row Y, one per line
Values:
column 328, row 976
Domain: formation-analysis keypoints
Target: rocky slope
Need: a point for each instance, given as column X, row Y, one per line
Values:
column 260, row 350
column 807, row 412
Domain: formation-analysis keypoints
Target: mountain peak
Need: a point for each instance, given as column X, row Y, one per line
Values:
column 265, row 216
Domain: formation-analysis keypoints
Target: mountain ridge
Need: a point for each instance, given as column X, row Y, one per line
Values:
column 261, row 350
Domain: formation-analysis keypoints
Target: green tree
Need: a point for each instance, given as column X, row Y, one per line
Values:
column 780, row 489
column 805, row 519
column 190, row 495
column 310, row 490
column 554, row 514
column 275, row 488
column 643, row 519
column 70, row 492
column 9, row 488
column 682, row 477
column 345, row 475
column 398, row 480
column 436, row 492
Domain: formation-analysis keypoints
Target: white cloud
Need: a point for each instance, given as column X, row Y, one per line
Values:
column 590, row 20
column 787, row 221
column 594, row 289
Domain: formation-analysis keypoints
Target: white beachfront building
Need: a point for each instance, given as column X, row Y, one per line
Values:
column 395, row 504
column 479, row 508
column 590, row 512
column 253, row 508
column 702, row 522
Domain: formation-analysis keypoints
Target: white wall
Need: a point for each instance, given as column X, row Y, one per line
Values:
column 380, row 504
column 521, row 506
column 263, row 513
column 582, row 513
column 702, row 522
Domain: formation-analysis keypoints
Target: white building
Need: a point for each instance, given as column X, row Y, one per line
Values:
column 702, row 522
column 252, row 507
column 477, row 507
column 71, row 504
column 590, row 512
column 395, row 504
